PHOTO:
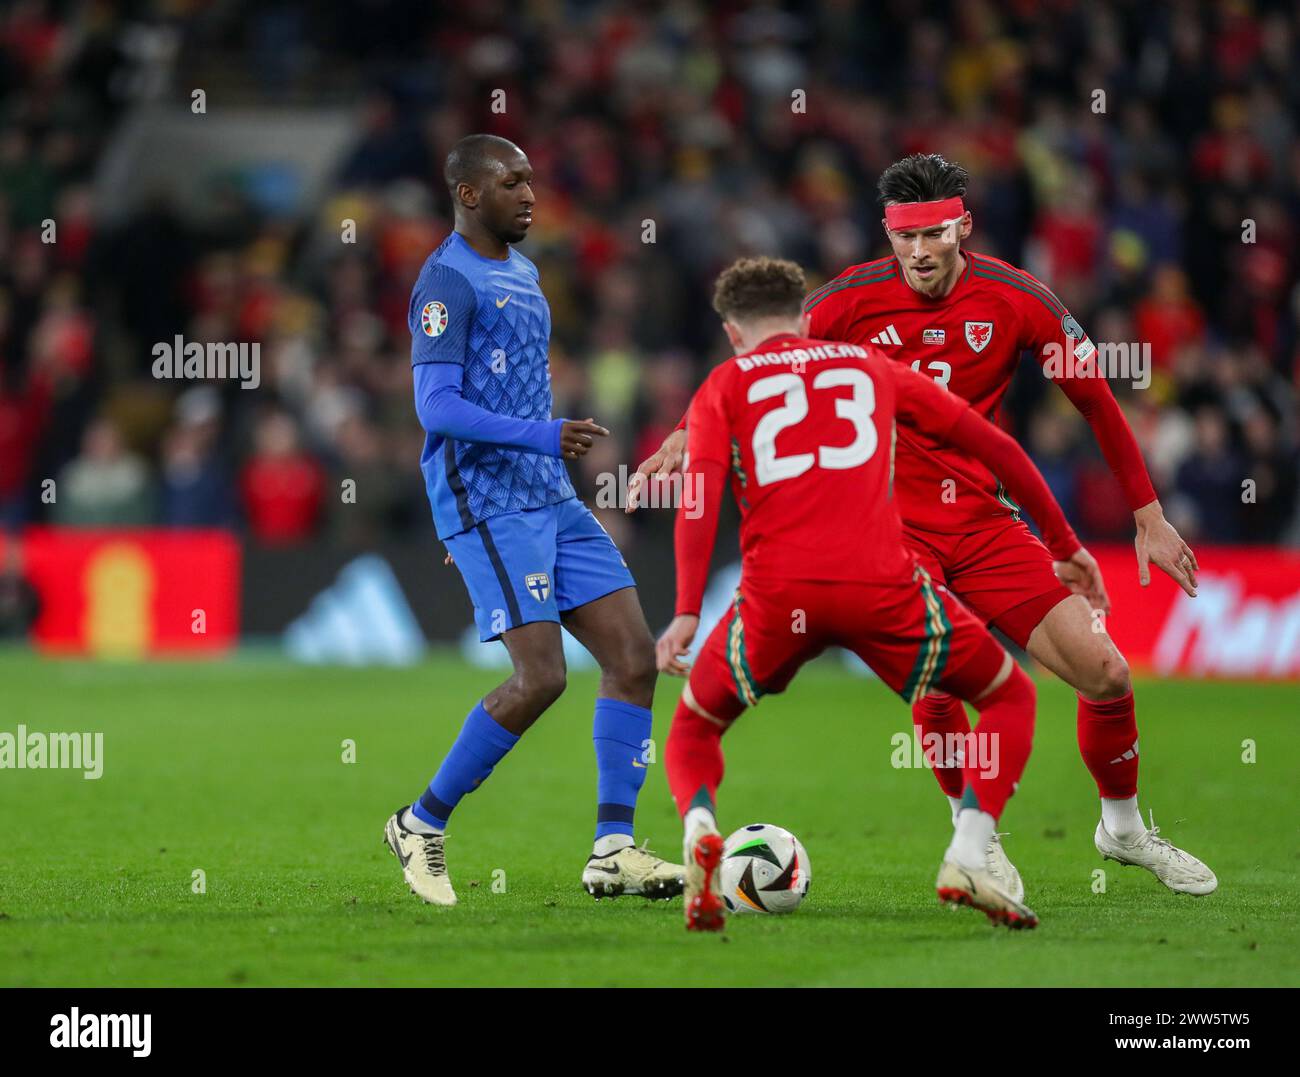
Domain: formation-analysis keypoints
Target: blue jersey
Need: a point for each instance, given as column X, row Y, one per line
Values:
column 490, row 318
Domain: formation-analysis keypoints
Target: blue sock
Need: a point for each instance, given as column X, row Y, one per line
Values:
column 619, row 732
column 481, row 745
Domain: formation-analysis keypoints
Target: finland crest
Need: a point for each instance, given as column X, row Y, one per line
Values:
column 978, row 335
column 538, row 584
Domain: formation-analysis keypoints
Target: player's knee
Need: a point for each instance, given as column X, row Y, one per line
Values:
column 631, row 673
column 641, row 668
column 541, row 685
column 1111, row 678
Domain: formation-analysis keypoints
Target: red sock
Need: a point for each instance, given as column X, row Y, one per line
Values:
column 1003, row 738
column 693, row 756
column 939, row 719
column 1108, row 742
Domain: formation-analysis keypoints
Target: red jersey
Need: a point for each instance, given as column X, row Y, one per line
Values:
column 806, row 430
column 969, row 342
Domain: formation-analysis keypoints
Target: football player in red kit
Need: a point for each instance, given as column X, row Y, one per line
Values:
column 805, row 429
column 962, row 319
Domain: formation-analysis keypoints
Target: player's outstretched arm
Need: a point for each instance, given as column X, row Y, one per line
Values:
column 693, row 537
column 666, row 461
column 445, row 412
column 1157, row 540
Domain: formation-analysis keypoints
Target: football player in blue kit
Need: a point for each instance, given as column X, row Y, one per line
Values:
column 532, row 555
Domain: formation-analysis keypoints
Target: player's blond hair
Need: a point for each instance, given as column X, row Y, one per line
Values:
column 759, row 288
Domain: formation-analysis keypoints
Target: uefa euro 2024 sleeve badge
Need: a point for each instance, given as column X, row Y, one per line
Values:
column 433, row 318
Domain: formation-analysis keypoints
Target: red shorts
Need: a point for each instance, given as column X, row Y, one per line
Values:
column 1003, row 573
column 913, row 636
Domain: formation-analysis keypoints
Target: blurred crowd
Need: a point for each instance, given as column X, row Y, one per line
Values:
column 1141, row 159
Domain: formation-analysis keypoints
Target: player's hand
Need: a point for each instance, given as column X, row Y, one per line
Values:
column 577, row 437
column 667, row 461
column 1158, row 541
column 1082, row 575
column 674, row 643
column 448, row 560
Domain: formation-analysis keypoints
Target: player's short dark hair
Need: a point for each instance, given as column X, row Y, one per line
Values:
column 759, row 288
column 922, row 177
column 473, row 158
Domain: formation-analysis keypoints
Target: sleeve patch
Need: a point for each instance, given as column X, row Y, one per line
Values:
column 433, row 318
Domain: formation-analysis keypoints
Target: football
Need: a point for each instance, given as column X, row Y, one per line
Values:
column 764, row 869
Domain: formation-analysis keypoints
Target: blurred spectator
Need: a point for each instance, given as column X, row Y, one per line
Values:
column 19, row 602
column 370, row 491
column 387, row 149
column 23, row 418
column 1273, row 471
column 1071, row 232
column 282, row 485
column 1168, row 319
column 106, row 486
column 1052, row 440
column 196, row 489
column 1210, row 480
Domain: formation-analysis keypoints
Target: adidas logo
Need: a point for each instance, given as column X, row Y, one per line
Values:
column 1130, row 754
column 888, row 335
column 362, row 618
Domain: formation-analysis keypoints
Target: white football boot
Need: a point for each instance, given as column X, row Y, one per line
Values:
column 424, row 865
column 631, row 870
column 1177, row 869
column 1003, row 871
column 702, row 851
column 978, row 889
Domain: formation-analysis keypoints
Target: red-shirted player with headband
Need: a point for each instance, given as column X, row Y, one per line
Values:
column 805, row 429
column 963, row 319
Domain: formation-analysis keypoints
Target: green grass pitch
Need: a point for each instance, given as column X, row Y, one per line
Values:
column 236, row 768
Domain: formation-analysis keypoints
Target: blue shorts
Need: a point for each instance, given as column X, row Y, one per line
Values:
column 533, row 565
